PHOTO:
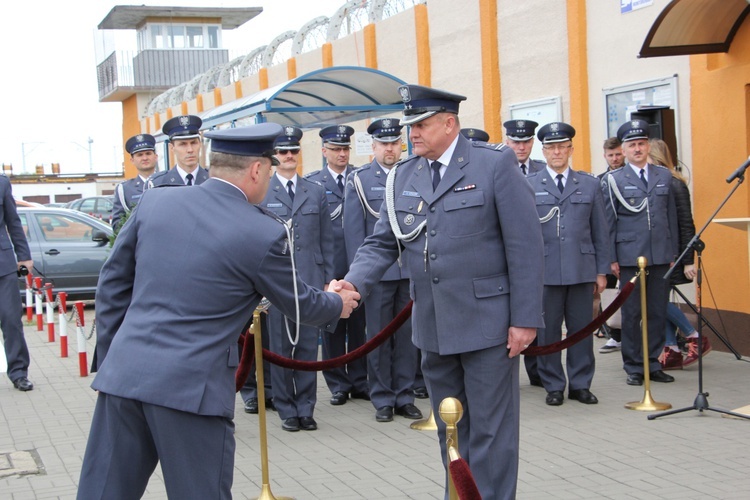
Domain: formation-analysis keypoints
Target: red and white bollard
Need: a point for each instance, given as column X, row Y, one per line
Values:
column 50, row 312
column 38, row 304
column 82, row 362
column 29, row 297
column 62, row 299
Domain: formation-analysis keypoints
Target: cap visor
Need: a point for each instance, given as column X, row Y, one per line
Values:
column 386, row 139
column 411, row 119
column 183, row 137
column 520, row 139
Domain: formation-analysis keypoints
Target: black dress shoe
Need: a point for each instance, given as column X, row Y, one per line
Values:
column 409, row 411
column 583, row 395
column 554, row 398
column 660, row 376
column 251, row 405
column 339, row 398
column 361, row 395
column 536, row 381
column 23, row 384
column 635, row 379
column 384, row 414
column 270, row 405
column 308, row 424
column 421, row 393
column 290, row 424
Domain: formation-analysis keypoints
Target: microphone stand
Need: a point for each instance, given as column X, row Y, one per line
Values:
column 701, row 400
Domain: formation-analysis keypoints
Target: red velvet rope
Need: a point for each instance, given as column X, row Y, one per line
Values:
column 463, row 480
column 587, row 330
column 248, row 348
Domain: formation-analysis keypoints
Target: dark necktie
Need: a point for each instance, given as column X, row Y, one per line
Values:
column 340, row 182
column 559, row 182
column 289, row 189
column 189, row 178
column 435, row 174
column 523, row 168
column 643, row 177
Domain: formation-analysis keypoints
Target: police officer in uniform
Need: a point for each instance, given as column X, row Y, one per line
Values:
column 142, row 149
column 576, row 261
column 642, row 215
column 303, row 205
column 349, row 334
column 185, row 146
column 462, row 218
column 391, row 367
column 475, row 134
column 14, row 253
column 519, row 136
column 167, row 328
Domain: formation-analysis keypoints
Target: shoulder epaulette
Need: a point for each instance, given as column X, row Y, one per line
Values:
column 312, row 181
column 495, row 146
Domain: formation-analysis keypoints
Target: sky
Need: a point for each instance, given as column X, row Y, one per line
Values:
column 49, row 102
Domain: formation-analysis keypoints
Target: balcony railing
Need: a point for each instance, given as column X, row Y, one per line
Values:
column 154, row 69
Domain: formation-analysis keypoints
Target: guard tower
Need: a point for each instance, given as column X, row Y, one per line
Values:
column 174, row 44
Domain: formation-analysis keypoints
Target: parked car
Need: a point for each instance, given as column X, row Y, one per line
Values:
column 68, row 248
column 95, row 206
column 24, row 203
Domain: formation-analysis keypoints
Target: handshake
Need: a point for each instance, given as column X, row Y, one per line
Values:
column 349, row 296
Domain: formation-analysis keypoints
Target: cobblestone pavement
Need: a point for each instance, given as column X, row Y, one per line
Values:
column 569, row 452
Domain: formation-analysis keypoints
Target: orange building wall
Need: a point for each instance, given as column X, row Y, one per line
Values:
column 720, row 107
column 131, row 126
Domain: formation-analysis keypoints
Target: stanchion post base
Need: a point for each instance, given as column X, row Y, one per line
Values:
column 647, row 404
column 265, row 494
column 427, row 424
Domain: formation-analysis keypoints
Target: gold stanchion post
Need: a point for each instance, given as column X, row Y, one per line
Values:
column 426, row 424
column 648, row 403
column 451, row 410
column 265, row 492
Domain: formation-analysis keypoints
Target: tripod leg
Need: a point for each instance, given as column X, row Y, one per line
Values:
column 708, row 324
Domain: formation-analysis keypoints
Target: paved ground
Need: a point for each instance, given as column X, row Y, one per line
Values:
column 568, row 452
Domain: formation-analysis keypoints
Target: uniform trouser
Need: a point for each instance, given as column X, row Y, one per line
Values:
column 657, row 295
column 486, row 384
column 250, row 389
column 349, row 335
column 294, row 391
column 129, row 437
column 16, row 350
column 392, row 366
column 574, row 304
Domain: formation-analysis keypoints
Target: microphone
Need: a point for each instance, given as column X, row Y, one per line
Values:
column 739, row 172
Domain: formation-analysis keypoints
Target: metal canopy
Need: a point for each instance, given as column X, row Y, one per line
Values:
column 330, row 95
column 695, row 27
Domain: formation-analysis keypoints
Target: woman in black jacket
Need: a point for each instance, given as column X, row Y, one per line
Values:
column 671, row 358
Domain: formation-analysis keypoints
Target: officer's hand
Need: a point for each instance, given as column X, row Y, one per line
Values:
column 601, row 283
column 28, row 263
column 349, row 298
column 337, row 285
column 615, row 266
column 519, row 339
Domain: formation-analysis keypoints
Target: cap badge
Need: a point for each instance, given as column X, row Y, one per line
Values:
column 520, row 123
column 342, row 129
column 184, row 121
column 386, row 122
column 405, row 94
column 554, row 127
column 634, row 124
column 289, row 131
column 139, row 138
